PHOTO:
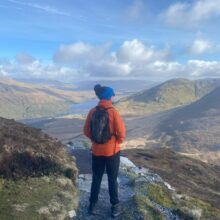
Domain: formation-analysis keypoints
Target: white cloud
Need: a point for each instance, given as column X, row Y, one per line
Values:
column 184, row 14
column 136, row 51
column 3, row 72
column 201, row 46
column 135, row 59
column 201, row 68
column 109, row 68
column 132, row 59
column 35, row 69
column 80, row 53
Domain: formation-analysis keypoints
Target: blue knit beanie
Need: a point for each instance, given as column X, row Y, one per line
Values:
column 103, row 92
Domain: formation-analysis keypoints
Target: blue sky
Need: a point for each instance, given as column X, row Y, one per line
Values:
column 109, row 38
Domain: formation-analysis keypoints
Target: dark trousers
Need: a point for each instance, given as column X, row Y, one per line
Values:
column 99, row 163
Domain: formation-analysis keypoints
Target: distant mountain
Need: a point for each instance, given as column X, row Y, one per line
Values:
column 129, row 85
column 168, row 95
column 207, row 106
column 37, row 175
column 195, row 128
column 192, row 129
column 49, row 82
column 21, row 100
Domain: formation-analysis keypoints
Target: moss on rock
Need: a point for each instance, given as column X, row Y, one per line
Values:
column 160, row 195
column 144, row 204
column 196, row 208
column 184, row 206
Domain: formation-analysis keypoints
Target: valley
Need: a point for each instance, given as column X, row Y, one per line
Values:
column 191, row 129
column 21, row 100
column 178, row 139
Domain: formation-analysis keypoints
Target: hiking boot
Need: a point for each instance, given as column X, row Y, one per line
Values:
column 91, row 209
column 116, row 210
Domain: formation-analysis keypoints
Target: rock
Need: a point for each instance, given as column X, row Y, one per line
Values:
column 125, row 162
column 64, row 182
column 54, row 206
column 197, row 213
column 140, row 179
column 139, row 171
column 72, row 213
column 169, row 186
column 44, row 211
column 20, row 207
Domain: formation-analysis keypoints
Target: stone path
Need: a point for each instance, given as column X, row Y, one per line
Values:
column 103, row 206
column 126, row 190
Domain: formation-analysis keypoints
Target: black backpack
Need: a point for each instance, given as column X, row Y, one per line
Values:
column 99, row 126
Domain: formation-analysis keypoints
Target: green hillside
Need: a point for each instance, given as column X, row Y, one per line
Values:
column 20, row 100
column 37, row 176
column 168, row 95
column 195, row 128
column 197, row 184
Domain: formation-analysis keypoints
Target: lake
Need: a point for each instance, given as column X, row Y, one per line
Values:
column 82, row 108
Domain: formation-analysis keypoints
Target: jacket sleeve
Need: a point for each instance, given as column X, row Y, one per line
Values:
column 119, row 127
column 86, row 128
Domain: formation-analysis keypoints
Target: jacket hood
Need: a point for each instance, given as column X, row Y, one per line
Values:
column 105, row 103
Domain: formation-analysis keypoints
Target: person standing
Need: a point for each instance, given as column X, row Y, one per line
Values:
column 106, row 130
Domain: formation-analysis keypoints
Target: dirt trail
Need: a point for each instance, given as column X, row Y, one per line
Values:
column 126, row 191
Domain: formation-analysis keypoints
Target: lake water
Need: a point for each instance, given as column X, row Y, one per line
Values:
column 79, row 109
column 83, row 108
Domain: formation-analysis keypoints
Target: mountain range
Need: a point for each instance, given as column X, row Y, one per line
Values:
column 195, row 128
column 129, row 86
column 192, row 129
column 20, row 100
column 170, row 94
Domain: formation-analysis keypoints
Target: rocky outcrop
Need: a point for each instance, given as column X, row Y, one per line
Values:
column 194, row 193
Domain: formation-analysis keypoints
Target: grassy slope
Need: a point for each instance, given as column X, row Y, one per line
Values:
column 22, row 100
column 170, row 94
column 195, row 128
column 37, row 177
column 185, row 206
column 37, row 198
column 190, row 177
column 196, row 193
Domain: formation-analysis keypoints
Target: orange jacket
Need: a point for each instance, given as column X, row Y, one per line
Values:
column 116, row 125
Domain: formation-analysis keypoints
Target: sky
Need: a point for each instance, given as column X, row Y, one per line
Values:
column 109, row 39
